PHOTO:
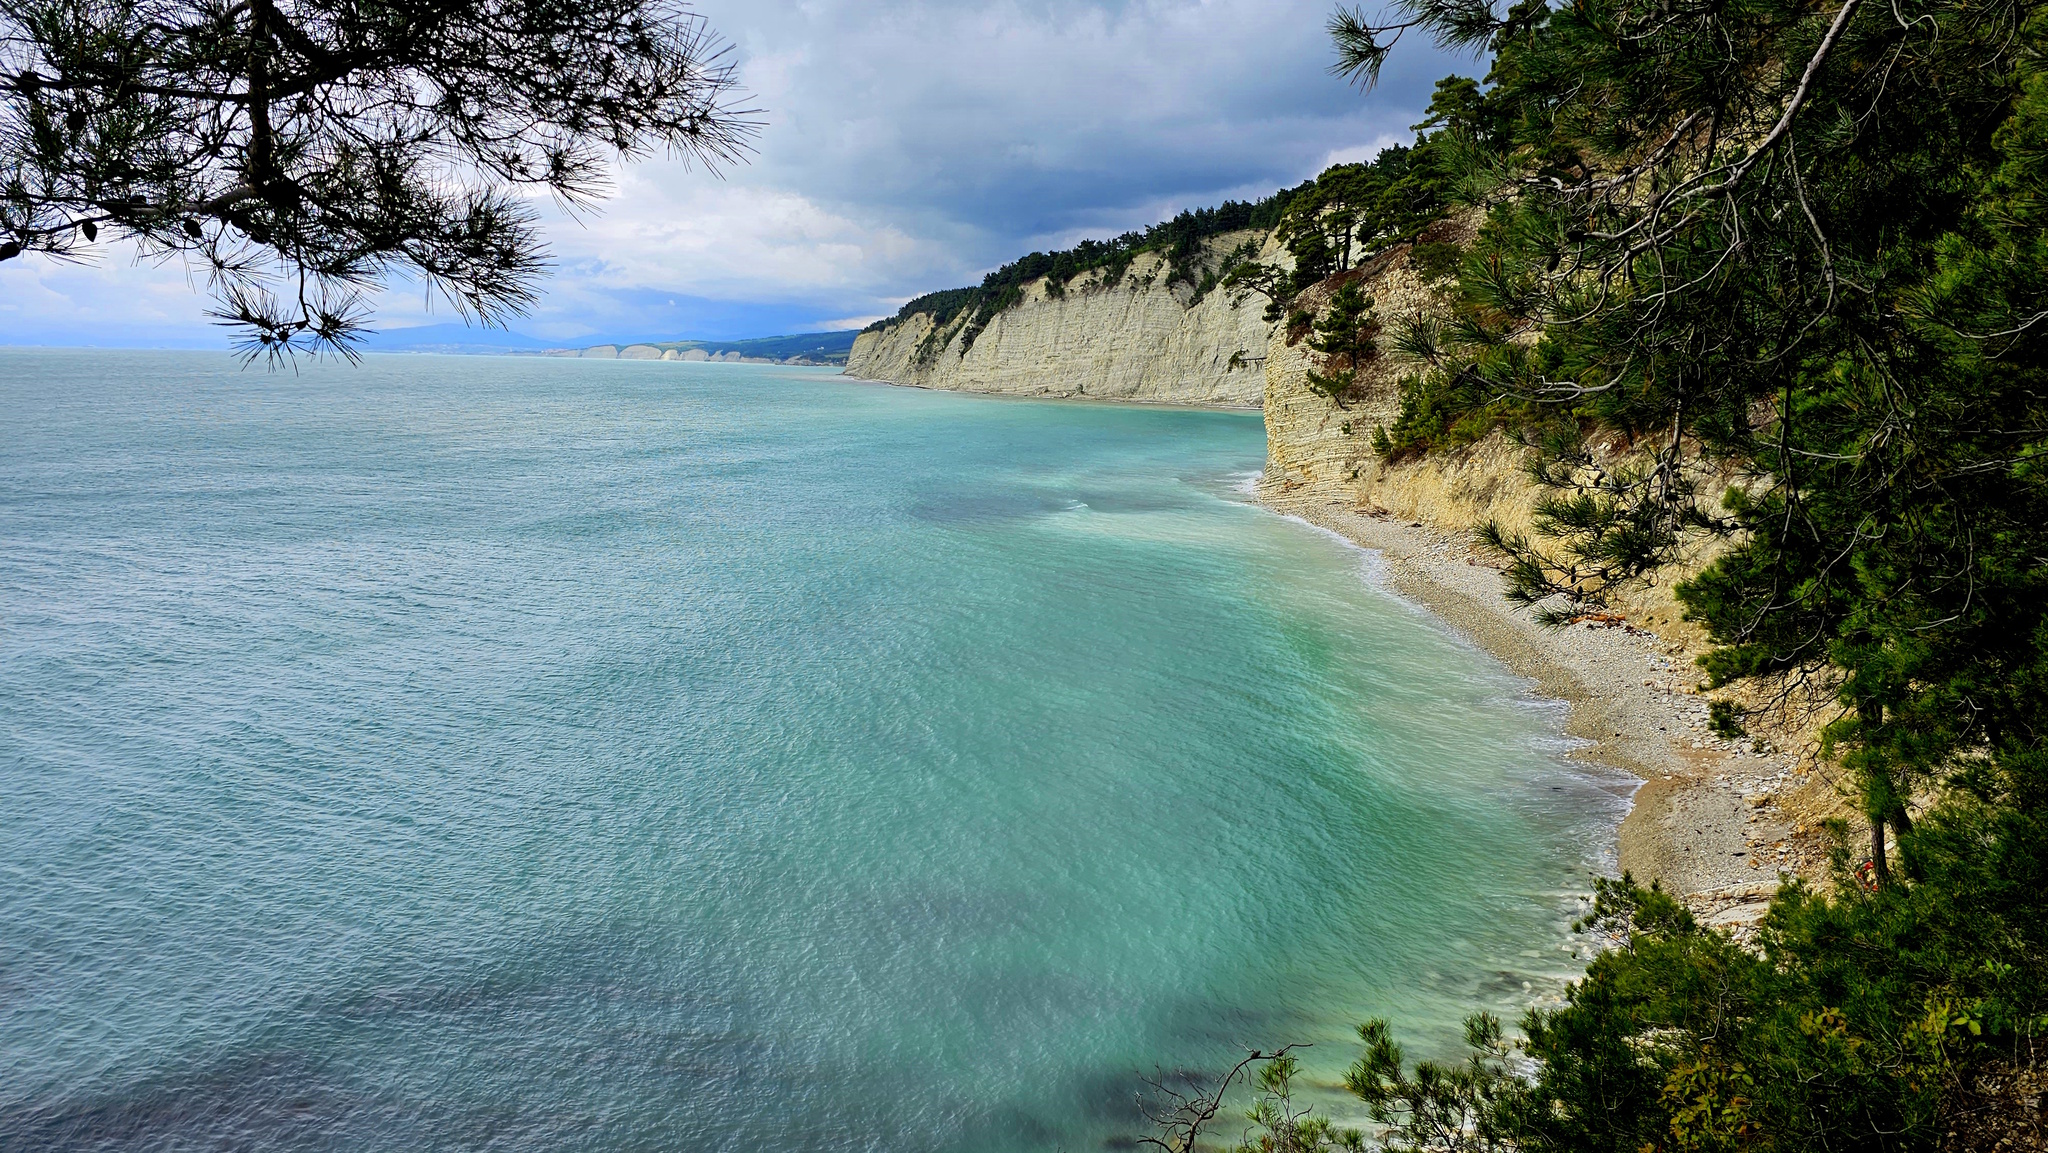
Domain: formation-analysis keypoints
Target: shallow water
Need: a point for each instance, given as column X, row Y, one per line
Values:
column 537, row 754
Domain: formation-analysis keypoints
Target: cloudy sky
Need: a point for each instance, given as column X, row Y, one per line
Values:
column 908, row 147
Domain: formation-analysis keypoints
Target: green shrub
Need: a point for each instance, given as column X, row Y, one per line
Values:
column 1724, row 717
column 1435, row 260
column 1852, row 1023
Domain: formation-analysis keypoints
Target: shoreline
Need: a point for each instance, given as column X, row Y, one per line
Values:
column 1705, row 820
column 1704, row 823
column 1083, row 397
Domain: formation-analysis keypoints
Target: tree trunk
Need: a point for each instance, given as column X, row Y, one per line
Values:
column 1902, row 825
column 1881, row 870
column 259, row 160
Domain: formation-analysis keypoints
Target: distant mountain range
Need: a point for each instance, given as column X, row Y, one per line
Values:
column 801, row 348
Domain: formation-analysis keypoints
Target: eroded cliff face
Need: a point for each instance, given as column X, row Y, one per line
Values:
column 1136, row 340
column 1319, row 448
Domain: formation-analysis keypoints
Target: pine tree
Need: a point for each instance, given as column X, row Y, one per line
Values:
column 301, row 152
column 1715, row 234
column 1798, row 249
column 1345, row 336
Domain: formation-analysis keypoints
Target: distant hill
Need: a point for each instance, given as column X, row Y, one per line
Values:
column 824, row 347
column 803, row 347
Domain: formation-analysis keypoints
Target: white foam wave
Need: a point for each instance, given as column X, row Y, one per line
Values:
column 1371, row 562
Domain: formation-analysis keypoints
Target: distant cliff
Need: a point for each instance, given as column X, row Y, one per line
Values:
column 1141, row 337
column 812, row 348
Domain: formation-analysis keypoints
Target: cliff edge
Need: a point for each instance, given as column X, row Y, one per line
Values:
column 1719, row 822
column 1140, row 338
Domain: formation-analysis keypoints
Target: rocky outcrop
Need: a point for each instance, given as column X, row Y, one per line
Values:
column 1139, row 339
column 1324, row 446
column 1717, row 820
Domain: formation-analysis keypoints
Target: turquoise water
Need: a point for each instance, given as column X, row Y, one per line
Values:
column 560, row 755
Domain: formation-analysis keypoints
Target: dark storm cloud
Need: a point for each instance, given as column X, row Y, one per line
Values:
column 1015, row 121
column 907, row 147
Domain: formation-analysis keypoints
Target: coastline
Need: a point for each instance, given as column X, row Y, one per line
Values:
column 1149, row 402
column 1706, row 822
column 1717, row 824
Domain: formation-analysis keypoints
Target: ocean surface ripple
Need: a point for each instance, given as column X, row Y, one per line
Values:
column 560, row 755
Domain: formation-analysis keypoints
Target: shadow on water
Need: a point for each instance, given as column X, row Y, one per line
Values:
column 641, row 1057
column 987, row 508
column 350, row 1078
column 1107, row 1099
column 1200, row 1024
column 267, row 1100
column 638, row 1066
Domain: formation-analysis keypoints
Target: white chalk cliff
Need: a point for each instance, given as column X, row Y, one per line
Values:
column 1136, row 340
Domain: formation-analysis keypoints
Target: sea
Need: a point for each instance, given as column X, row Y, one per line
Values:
column 500, row 753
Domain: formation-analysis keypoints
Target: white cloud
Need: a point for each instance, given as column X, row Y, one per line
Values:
column 112, row 298
column 909, row 147
column 707, row 238
column 1362, row 152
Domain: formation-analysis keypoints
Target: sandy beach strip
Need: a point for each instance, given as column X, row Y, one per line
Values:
column 1706, row 823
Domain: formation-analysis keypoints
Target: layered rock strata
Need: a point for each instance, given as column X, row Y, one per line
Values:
column 1138, row 339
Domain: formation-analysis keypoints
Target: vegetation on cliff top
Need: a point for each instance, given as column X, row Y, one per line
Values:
column 1181, row 242
column 1801, row 246
column 1347, row 215
column 1353, row 213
